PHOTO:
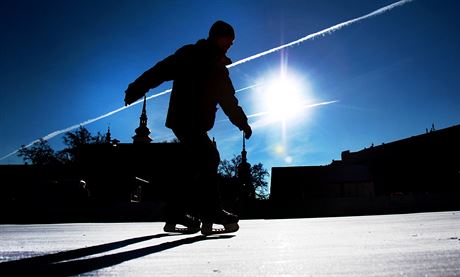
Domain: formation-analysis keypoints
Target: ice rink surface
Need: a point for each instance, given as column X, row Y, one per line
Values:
column 423, row 244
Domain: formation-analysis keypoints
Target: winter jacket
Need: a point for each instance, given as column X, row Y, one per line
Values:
column 200, row 82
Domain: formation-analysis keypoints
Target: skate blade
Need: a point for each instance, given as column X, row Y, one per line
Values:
column 207, row 229
column 171, row 228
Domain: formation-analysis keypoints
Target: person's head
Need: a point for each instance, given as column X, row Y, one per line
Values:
column 222, row 34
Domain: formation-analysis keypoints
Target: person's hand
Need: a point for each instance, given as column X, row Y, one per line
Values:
column 128, row 100
column 130, row 97
column 247, row 131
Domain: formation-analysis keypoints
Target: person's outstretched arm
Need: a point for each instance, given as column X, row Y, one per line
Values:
column 159, row 73
column 229, row 104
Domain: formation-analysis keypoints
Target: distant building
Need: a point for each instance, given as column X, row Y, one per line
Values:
column 304, row 183
column 113, row 171
column 422, row 164
column 420, row 168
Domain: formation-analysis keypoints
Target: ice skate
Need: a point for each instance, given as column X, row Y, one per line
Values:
column 190, row 224
column 227, row 220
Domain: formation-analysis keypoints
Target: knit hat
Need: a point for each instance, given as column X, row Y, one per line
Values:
column 221, row 29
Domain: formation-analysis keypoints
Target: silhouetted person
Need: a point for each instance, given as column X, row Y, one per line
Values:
column 200, row 82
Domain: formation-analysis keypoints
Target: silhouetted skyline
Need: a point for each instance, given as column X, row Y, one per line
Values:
column 393, row 75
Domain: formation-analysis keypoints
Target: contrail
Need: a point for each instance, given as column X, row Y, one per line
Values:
column 259, row 114
column 89, row 121
column 322, row 32
column 303, row 107
column 296, row 42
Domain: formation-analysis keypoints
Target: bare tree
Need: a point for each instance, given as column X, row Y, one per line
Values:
column 74, row 140
column 40, row 153
column 229, row 169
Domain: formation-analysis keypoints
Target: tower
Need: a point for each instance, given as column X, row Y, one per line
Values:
column 142, row 132
column 243, row 152
column 108, row 136
column 244, row 175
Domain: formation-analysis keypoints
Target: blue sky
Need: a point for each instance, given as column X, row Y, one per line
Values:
column 64, row 62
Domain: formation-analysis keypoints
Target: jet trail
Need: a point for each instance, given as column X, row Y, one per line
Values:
column 89, row 121
column 253, row 57
column 304, row 107
column 322, row 32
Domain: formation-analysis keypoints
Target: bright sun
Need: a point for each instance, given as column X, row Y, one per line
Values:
column 283, row 98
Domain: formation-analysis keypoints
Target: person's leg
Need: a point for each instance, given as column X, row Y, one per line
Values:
column 203, row 159
column 182, row 192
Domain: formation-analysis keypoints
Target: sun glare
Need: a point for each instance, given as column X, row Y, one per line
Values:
column 283, row 98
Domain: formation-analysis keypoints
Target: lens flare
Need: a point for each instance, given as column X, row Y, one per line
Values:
column 279, row 149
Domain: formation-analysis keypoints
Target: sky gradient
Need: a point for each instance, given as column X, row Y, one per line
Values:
column 389, row 77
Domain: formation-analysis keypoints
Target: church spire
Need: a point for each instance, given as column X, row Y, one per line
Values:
column 108, row 136
column 142, row 132
column 244, row 174
column 244, row 153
